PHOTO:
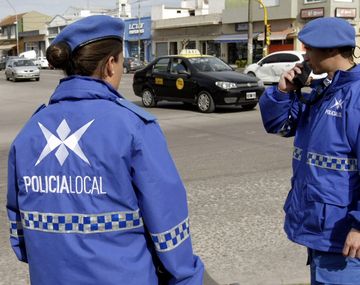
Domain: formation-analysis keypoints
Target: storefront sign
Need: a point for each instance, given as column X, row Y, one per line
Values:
column 345, row 12
column 312, row 13
column 240, row 27
column 135, row 28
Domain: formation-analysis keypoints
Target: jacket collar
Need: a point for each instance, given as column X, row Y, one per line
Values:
column 343, row 78
column 83, row 87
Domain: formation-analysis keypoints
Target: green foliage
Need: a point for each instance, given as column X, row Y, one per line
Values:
column 241, row 63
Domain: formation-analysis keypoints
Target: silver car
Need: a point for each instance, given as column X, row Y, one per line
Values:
column 22, row 69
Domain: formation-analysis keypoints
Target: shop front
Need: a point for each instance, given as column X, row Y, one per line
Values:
column 137, row 38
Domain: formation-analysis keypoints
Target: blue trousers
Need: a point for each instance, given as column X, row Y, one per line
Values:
column 330, row 268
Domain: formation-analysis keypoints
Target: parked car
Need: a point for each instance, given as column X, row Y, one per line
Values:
column 2, row 63
column 41, row 62
column 132, row 64
column 270, row 67
column 21, row 69
column 196, row 79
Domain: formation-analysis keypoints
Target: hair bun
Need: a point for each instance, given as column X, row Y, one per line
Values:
column 58, row 55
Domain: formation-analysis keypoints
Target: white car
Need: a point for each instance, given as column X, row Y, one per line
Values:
column 41, row 62
column 270, row 67
column 21, row 69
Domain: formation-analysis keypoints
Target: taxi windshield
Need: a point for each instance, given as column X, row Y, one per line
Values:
column 23, row 63
column 209, row 64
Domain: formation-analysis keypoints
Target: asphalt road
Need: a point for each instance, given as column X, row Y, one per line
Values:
column 237, row 178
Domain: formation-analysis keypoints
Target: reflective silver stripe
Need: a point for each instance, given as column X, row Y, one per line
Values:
column 297, row 152
column 332, row 162
column 81, row 223
column 172, row 238
column 16, row 229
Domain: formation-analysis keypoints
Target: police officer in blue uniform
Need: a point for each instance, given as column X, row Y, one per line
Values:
column 93, row 194
column 323, row 206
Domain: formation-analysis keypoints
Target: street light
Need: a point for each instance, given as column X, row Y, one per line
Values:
column 16, row 27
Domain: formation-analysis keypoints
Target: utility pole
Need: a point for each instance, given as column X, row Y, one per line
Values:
column 250, row 35
column 139, row 42
column 16, row 27
column 267, row 29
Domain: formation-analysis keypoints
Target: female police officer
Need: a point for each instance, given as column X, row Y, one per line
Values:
column 323, row 206
column 93, row 194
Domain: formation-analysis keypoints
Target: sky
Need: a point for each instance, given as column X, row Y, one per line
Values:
column 54, row 7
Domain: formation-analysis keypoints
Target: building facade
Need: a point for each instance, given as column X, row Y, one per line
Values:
column 27, row 33
column 286, row 18
column 137, row 38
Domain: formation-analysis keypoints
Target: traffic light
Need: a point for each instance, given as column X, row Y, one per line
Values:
column 267, row 33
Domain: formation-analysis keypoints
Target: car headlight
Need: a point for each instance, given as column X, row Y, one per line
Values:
column 260, row 83
column 226, row 85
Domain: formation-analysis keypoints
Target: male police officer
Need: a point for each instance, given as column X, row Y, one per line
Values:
column 323, row 206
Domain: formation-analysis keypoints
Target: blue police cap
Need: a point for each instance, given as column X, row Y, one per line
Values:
column 91, row 29
column 328, row 32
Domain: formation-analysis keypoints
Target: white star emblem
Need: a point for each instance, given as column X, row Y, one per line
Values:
column 337, row 104
column 63, row 140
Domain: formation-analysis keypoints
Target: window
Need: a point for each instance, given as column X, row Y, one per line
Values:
column 178, row 65
column 161, row 65
column 271, row 3
column 313, row 1
column 287, row 57
column 281, row 57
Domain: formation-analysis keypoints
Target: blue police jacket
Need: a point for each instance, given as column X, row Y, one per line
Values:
column 93, row 194
column 323, row 203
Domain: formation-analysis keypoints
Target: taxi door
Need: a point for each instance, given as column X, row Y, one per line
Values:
column 179, row 80
column 159, row 76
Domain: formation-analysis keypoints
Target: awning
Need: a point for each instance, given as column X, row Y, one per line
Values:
column 6, row 47
column 234, row 38
column 277, row 36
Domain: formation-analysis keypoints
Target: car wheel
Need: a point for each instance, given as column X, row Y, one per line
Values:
column 248, row 107
column 251, row 74
column 148, row 98
column 38, row 79
column 205, row 102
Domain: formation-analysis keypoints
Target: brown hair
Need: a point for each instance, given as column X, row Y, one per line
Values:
column 86, row 60
column 347, row 52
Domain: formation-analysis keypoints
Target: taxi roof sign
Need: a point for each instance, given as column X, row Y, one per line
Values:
column 190, row 52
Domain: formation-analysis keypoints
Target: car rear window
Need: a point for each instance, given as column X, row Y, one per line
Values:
column 288, row 57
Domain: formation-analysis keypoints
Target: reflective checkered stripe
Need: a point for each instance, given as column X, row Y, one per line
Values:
column 16, row 229
column 297, row 153
column 331, row 162
column 172, row 238
column 80, row 223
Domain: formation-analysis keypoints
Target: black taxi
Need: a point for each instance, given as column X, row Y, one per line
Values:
column 197, row 79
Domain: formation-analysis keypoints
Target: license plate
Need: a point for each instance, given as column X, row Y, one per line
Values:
column 250, row 95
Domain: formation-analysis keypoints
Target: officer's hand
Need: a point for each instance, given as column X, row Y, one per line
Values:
column 285, row 83
column 352, row 244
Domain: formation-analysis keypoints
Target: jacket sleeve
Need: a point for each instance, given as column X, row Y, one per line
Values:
column 16, row 229
column 280, row 112
column 353, row 135
column 163, row 204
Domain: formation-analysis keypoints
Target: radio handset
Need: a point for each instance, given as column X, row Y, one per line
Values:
column 300, row 79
